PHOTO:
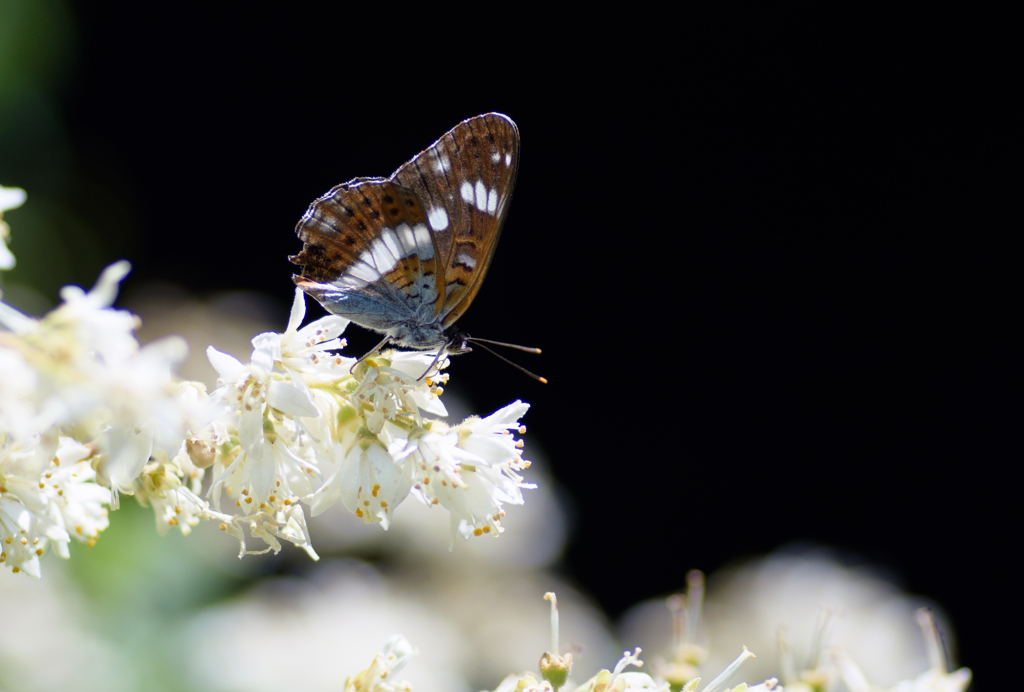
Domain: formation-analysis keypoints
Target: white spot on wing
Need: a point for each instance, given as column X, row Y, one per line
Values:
column 492, row 201
column 466, row 259
column 467, row 191
column 439, row 162
column 438, row 218
column 424, row 243
column 495, row 157
column 408, row 239
column 362, row 270
column 481, row 196
column 415, row 241
column 380, row 256
column 390, row 240
column 508, row 159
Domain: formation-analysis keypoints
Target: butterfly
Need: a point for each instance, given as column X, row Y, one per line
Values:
column 406, row 255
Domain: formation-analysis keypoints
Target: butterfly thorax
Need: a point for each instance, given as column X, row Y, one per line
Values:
column 417, row 335
column 427, row 337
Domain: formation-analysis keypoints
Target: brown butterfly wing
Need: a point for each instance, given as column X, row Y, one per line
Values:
column 370, row 235
column 464, row 182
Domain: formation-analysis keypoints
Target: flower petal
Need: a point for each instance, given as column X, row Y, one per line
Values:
column 298, row 311
column 289, row 399
column 228, row 367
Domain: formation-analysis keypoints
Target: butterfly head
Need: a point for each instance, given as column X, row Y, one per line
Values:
column 456, row 341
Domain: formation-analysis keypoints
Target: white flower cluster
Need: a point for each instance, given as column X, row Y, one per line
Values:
column 827, row 665
column 300, row 424
column 554, row 669
column 82, row 409
column 87, row 414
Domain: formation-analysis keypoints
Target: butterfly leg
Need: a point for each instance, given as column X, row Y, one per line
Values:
column 369, row 353
column 440, row 352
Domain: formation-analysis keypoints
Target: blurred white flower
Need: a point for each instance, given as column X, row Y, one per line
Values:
column 80, row 370
column 936, row 679
column 524, row 682
column 502, row 603
column 745, row 605
column 322, row 631
column 90, row 376
column 688, row 648
column 18, row 382
column 50, row 639
column 10, row 198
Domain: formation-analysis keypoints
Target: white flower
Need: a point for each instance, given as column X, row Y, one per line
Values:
column 306, row 350
column 89, row 376
column 395, row 655
column 72, row 489
column 470, row 470
column 139, row 400
column 333, row 621
column 174, row 504
column 284, row 427
column 10, row 198
column 288, row 523
column 749, row 602
column 24, row 536
column 259, row 399
column 18, row 384
column 489, row 437
column 618, row 681
column 300, row 413
column 729, row 671
column 370, row 483
column 47, row 496
column 424, row 388
column 92, row 333
column 936, row 679
column 392, row 394
column 524, row 683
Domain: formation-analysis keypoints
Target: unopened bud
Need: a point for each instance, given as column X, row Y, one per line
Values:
column 201, row 454
column 555, row 669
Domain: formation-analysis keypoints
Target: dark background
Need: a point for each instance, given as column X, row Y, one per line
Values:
column 750, row 252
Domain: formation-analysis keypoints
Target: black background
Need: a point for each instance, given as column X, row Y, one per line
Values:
column 749, row 249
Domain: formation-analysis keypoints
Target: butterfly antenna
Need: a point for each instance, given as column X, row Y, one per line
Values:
column 527, row 349
column 368, row 354
column 514, row 365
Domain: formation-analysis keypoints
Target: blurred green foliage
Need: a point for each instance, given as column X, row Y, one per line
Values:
column 70, row 226
column 139, row 585
column 144, row 588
